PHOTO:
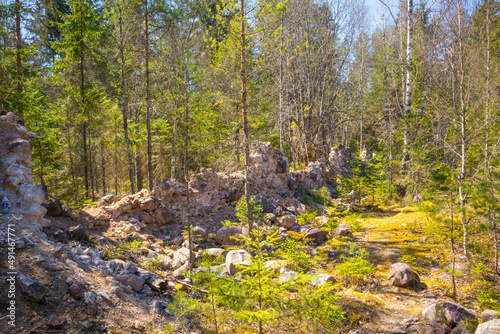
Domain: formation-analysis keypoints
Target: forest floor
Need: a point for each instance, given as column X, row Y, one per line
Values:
column 398, row 235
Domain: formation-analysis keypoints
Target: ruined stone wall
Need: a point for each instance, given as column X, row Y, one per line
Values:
column 213, row 196
column 15, row 177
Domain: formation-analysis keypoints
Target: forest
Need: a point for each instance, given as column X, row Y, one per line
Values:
column 125, row 95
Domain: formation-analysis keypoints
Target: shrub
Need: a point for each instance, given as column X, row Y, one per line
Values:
column 296, row 258
column 356, row 266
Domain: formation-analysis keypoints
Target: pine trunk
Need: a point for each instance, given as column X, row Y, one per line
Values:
column 244, row 116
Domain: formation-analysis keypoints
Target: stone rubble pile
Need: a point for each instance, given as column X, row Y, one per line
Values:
column 213, row 196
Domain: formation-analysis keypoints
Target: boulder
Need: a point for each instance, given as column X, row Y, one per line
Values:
column 215, row 252
column 163, row 215
column 78, row 233
column 489, row 327
column 225, row 235
column 135, row 282
column 448, row 313
column 401, row 275
column 488, row 315
column 148, row 204
column 287, row 220
column 237, row 257
column 286, row 275
column 54, row 207
column 32, row 289
column 200, row 234
column 320, row 278
column 342, row 230
column 316, row 235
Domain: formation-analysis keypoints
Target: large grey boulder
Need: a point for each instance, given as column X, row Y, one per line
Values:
column 401, row 275
column 489, row 327
column 446, row 312
column 237, row 257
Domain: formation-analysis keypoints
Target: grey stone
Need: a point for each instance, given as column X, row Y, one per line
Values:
column 32, row 289
column 286, row 275
column 238, row 257
column 401, row 275
column 489, row 327
column 447, row 312
column 488, row 315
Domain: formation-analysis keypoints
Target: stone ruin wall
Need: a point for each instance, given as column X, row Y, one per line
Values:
column 15, row 176
column 213, row 195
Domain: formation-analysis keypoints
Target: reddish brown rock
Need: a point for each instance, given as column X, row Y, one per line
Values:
column 56, row 323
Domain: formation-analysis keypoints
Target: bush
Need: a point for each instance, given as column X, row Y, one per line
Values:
column 356, row 266
column 296, row 258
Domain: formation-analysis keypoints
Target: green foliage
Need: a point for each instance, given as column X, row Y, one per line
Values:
column 354, row 219
column 306, row 218
column 293, row 253
column 121, row 251
column 241, row 209
column 321, row 196
column 356, row 266
column 305, row 199
column 155, row 264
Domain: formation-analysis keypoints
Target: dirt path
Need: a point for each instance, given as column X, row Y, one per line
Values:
column 392, row 237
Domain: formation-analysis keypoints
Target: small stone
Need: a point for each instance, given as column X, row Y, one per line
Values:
column 76, row 290
column 89, row 297
column 488, row 315
column 179, row 272
column 235, row 258
column 215, row 252
column 32, row 289
column 286, row 275
column 342, row 230
column 56, row 323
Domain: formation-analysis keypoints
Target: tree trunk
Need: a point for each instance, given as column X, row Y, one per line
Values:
column 103, row 169
column 124, row 108
column 84, row 132
column 408, row 88
column 148, row 116
column 281, row 87
column 174, row 143
column 463, row 133
column 138, row 160
column 244, row 116
column 92, row 170
column 18, row 49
